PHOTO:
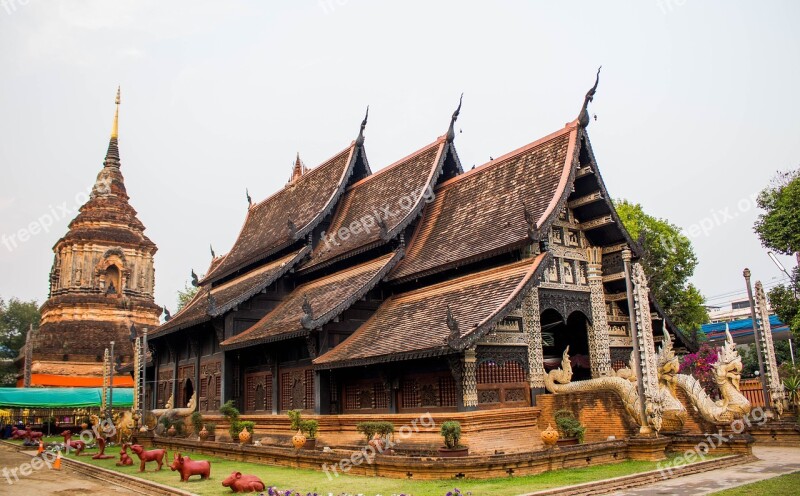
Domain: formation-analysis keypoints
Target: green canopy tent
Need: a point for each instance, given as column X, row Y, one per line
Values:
column 62, row 397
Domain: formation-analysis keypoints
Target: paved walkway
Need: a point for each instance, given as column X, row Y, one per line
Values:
column 47, row 481
column 772, row 462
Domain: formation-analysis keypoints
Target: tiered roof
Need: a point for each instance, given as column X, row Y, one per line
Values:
column 375, row 209
column 210, row 302
column 290, row 214
column 315, row 303
column 436, row 320
column 494, row 208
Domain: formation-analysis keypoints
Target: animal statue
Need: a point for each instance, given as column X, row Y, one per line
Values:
column 78, row 446
column 559, row 381
column 17, row 433
column 188, row 467
column 668, row 367
column 101, row 455
column 101, row 429
column 240, row 483
column 124, row 459
column 124, row 425
column 154, row 455
column 31, row 435
column 727, row 373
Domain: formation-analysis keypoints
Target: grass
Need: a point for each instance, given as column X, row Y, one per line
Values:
column 310, row 481
column 784, row 484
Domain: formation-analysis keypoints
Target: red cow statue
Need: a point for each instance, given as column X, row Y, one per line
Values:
column 78, row 446
column 17, row 433
column 32, row 435
column 243, row 483
column 188, row 467
column 124, row 459
column 156, row 455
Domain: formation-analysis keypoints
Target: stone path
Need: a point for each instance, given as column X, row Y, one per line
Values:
column 47, row 481
column 772, row 463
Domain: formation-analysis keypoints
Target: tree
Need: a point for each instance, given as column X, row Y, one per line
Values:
column 16, row 317
column 186, row 294
column 784, row 302
column 669, row 261
column 779, row 227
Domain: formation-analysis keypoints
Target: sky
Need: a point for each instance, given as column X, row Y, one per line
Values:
column 696, row 109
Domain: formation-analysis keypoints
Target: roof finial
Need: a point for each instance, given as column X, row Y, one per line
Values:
column 360, row 139
column 115, row 127
column 583, row 118
column 451, row 133
column 298, row 170
column 249, row 200
column 213, row 255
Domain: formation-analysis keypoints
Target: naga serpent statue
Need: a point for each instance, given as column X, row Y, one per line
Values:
column 558, row 381
column 727, row 373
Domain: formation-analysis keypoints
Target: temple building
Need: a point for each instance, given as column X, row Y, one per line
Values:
column 101, row 284
column 417, row 288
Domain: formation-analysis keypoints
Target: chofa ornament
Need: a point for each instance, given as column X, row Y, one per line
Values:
column 549, row 436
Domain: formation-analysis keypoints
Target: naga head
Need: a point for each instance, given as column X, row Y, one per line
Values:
column 668, row 363
column 728, row 368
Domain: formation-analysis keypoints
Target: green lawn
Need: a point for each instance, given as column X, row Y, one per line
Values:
column 785, row 484
column 310, row 481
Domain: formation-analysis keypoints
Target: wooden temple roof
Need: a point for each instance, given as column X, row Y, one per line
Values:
column 289, row 214
column 208, row 303
column 494, row 208
column 378, row 207
column 315, row 303
column 415, row 324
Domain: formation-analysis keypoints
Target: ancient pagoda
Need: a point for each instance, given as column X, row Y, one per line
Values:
column 101, row 284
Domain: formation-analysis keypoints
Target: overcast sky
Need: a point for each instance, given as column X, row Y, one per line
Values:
column 696, row 108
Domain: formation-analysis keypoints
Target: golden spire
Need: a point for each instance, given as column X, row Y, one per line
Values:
column 115, row 127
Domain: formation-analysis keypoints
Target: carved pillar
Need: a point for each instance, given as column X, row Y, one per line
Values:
column 768, row 349
column 533, row 335
column 26, row 380
column 599, row 344
column 469, row 382
column 644, row 331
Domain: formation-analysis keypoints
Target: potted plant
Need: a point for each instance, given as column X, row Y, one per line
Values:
column 231, row 414
column 569, row 427
column 306, row 429
column 451, row 432
column 376, row 433
column 792, row 385
column 197, row 422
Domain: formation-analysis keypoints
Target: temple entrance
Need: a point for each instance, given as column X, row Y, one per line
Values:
column 186, row 393
column 558, row 333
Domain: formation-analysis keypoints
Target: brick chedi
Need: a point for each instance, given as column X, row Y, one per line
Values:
column 101, row 283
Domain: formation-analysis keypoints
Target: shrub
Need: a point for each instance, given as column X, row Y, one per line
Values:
column 701, row 366
column 211, row 427
column 369, row 429
column 569, row 426
column 197, row 421
column 307, row 427
column 231, row 413
column 451, row 432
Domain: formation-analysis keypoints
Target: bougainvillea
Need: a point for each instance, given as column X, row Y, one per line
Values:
column 701, row 366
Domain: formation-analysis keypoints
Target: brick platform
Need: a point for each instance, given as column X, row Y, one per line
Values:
column 507, row 430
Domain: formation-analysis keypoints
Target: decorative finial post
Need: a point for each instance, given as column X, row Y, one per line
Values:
column 451, row 132
column 115, row 127
column 757, row 331
column 360, row 138
column 583, row 118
